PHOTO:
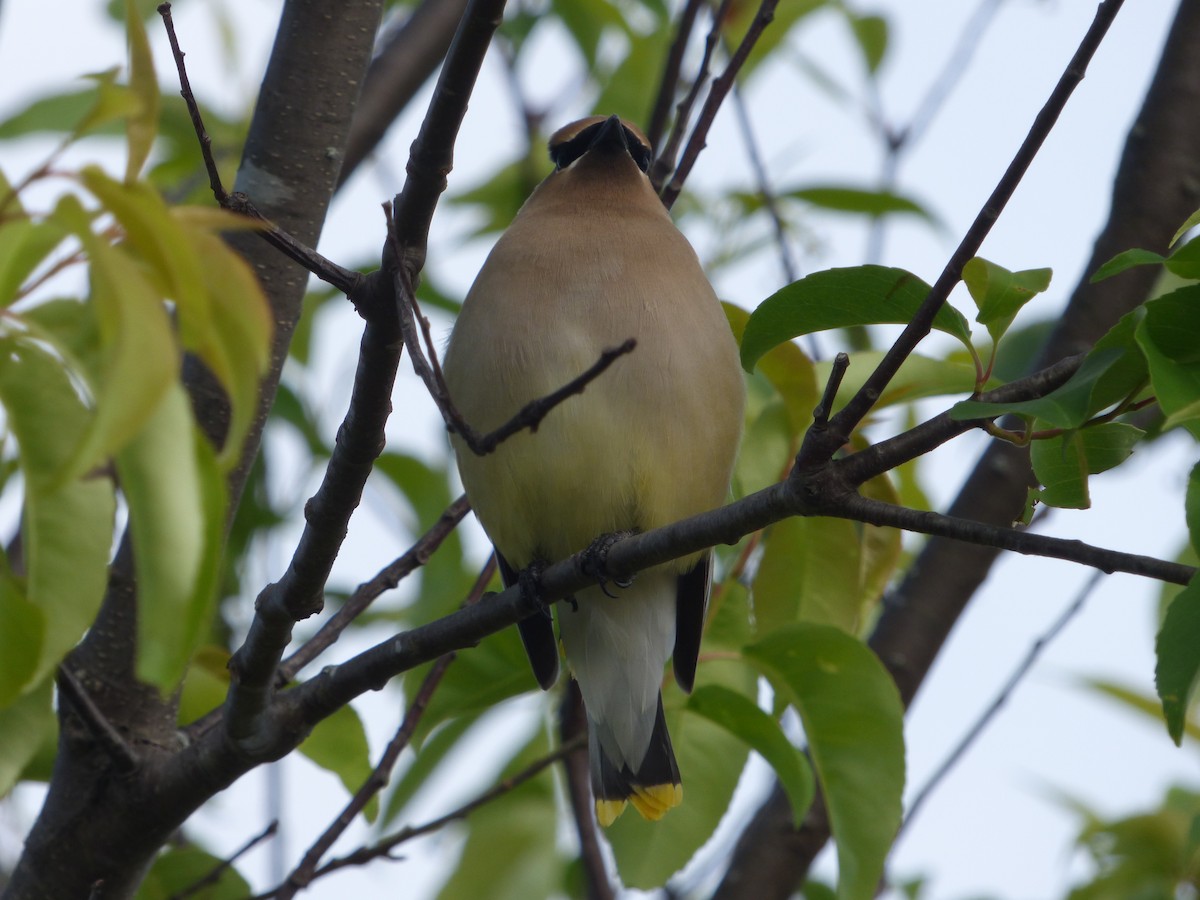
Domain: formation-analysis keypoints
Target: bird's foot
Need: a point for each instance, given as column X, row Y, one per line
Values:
column 593, row 561
column 529, row 580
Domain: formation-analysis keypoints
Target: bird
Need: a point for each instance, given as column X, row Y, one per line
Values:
column 591, row 259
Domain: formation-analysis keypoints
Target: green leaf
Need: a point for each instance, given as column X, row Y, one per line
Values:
column 179, row 868
column 142, row 126
column 809, row 572
column 20, row 637
column 1142, row 703
column 1127, row 260
column 741, row 718
column 24, row 244
column 871, row 32
column 67, row 526
column 511, row 851
column 1167, row 336
column 840, row 298
column 710, row 762
column 999, row 294
column 1191, row 505
column 1113, row 370
column 241, row 329
column 843, row 198
column 1178, row 652
column 1063, row 463
column 112, row 103
column 53, row 114
column 788, row 370
column 1192, row 221
column 1185, row 260
column 853, row 720
column 339, row 745
column 24, row 726
column 140, row 359
column 176, row 515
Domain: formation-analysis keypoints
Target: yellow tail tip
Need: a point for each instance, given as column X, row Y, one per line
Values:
column 651, row 802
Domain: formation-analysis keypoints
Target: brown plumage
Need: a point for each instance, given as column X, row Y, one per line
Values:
column 592, row 259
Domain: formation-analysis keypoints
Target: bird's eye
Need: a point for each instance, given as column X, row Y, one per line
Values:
column 641, row 152
column 562, row 155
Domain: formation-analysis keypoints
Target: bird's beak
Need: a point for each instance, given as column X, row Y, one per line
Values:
column 611, row 136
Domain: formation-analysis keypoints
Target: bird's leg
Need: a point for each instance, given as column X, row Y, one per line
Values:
column 594, row 561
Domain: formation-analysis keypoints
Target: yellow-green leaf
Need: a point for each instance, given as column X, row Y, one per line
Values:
column 67, row 525
column 139, row 356
column 23, row 727
column 169, row 481
column 142, row 126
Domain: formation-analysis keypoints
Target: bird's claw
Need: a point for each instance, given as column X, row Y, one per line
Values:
column 594, row 562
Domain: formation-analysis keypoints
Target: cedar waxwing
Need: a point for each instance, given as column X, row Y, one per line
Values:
column 592, row 259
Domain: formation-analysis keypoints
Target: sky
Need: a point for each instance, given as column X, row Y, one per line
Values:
column 997, row 825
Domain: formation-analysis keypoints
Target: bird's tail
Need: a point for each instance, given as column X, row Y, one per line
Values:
column 653, row 789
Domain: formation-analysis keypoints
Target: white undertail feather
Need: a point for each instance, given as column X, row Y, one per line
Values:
column 617, row 648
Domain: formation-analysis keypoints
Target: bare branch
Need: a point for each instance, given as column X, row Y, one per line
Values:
column 300, row 592
column 303, row 874
column 366, row 593
column 716, row 96
column 664, row 162
column 572, row 725
column 385, row 847
column 328, row 271
column 669, row 81
column 876, row 512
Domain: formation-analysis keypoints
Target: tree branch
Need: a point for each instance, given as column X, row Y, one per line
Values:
column 1157, row 187
column 300, row 592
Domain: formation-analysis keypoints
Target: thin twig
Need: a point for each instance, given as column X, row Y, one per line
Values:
column 385, row 847
column 664, row 163
column 716, row 96
column 820, row 446
column 572, row 728
column 299, row 593
column 758, row 165
column 877, row 512
column 214, row 874
column 669, row 81
column 366, row 593
column 988, row 715
column 837, row 372
column 345, row 280
column 125, row 759
column 301, row 876
column 896, row 142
